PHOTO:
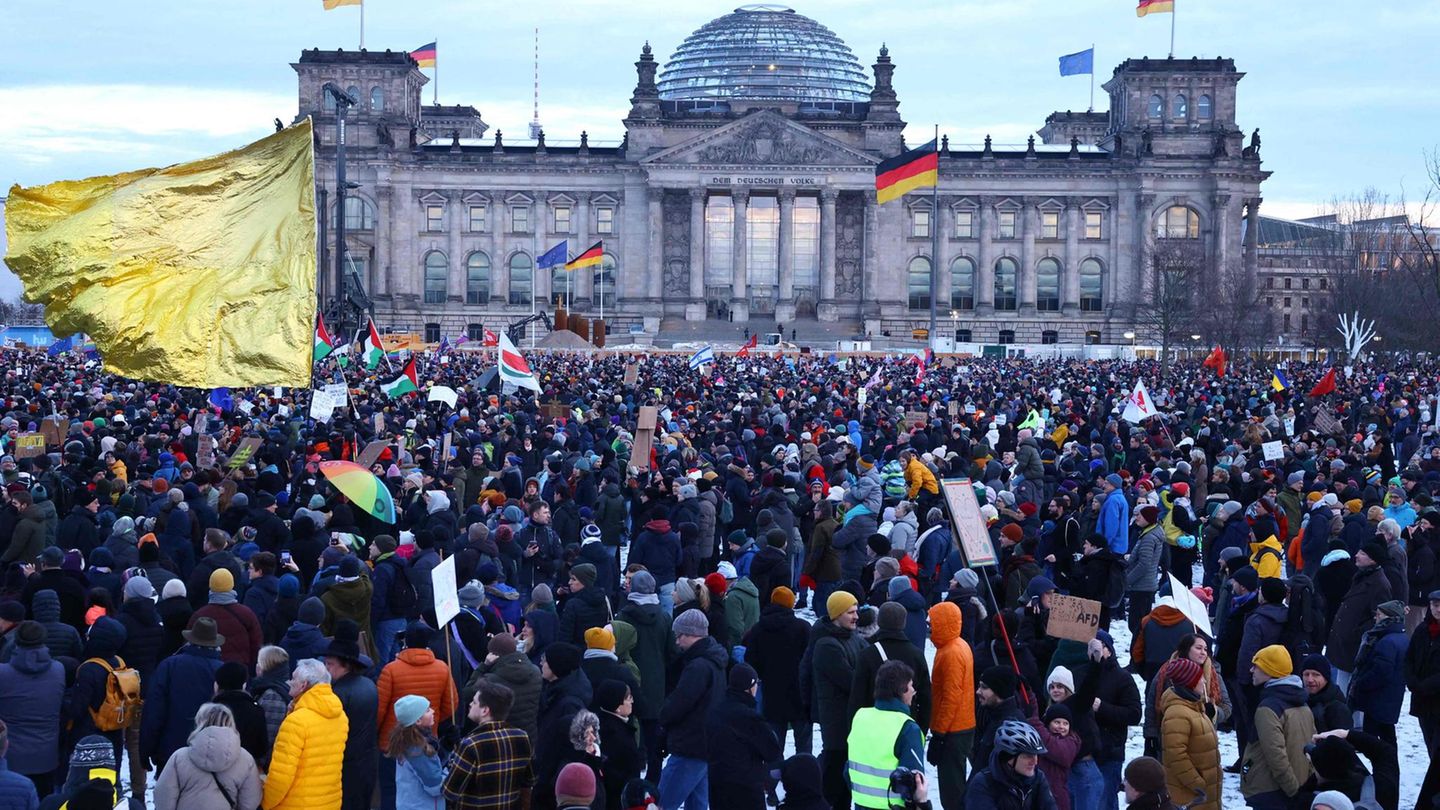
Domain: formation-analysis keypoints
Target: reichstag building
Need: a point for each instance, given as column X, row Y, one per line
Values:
column 744, row 190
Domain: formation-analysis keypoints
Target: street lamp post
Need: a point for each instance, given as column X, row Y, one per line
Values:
column 343, row 102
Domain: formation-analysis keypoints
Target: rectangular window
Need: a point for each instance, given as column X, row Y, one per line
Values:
column 562, row 219
column 719, row 240
column 1270, row 283
column 1287, row 322
column 1305, row 302
column 1288, row 282
column 762, row 239
column 805, row 242
column 519, row 219
column 477, row 219
column 604, row 220
column 1007, row 224
column 920, row 224
column 1094, row 225
column 434, row 218
column 1304, row 323
column 1324, row 284
column 1287, row 300
column 1304, row 283
column 1049, row 224
column 964, row 224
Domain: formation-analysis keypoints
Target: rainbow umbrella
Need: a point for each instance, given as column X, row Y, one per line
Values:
column 362, row 487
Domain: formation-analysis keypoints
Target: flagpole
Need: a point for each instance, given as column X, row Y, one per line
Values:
column 362, row 25
column 435, row 99
column 1092, row 77
column 935, row 241
column 1172, row 30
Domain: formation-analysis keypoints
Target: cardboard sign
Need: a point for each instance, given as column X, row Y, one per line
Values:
column 966, row 523
column 555, row 409
column 446, row 452
column 54, row 430
column 445, row 590
column 242, row 454
column 205, row 451
column 371, row 452
column 917, row 417
column 29, row 445
column 202, row 421
column 862, row 396
column 1073, row 618
column 953, row 406
column 644, row 438
column 632, row 373
column 645, row 420
column 1326, row 423
column 1274, row 451
column 379, row 423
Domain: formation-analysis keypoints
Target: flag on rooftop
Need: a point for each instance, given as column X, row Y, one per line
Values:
column 554, row 256
column 424, row 55
column 1076, row 64
column 1155, row 7
column 592, row 257
column 334, row 4
column 899, row 175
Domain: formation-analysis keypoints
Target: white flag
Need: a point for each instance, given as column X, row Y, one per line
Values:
column 1139, row 406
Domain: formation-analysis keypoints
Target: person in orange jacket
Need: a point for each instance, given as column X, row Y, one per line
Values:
column 952, row 712
column 415, row 671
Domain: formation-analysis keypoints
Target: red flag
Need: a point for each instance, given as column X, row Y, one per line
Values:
column 1325, row 386
column 745, row 350
column 1216, row 360
column 491, row 339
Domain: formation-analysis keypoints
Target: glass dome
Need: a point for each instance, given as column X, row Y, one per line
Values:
column 764, row 52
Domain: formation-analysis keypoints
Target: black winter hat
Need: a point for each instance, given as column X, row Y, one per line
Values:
column 1001, row 680
column 563, row 658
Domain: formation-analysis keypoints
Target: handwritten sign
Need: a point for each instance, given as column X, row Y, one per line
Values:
column 1274, row 451
column 1073, row 618
column 371, row 452
column 967, row 524
column 632, row 373
column 917, row 417
column 205, row 451
column 379, row 423
column 243, row 453
column 54, row 429
column 1326, row 422
column 29, row 445
column 445, row 590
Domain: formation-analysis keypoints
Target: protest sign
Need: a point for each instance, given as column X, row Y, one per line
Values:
column 242, row 454
column 1274, row 451
column 54, row 429
column 1073, row 618
column 371, row 452
column 632, row 373
column 205, row 451
column 443, row 393
column 447, row 593
column 967, row 524
column 29, row 445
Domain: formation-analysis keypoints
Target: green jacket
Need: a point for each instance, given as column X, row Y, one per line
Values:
column 742, row 608
column 1275, row 759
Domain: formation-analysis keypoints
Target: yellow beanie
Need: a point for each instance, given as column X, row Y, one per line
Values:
column 221, row 580
column 1354, row 505
column 599, row 638
column 1274, row 661
column 839, row 602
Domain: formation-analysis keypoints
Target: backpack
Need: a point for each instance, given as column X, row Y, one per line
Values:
column 726, row 512
column 122, row 697
column 402, row 599
column 1305, row 629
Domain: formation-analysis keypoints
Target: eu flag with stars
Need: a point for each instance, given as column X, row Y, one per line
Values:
column 1075, row 64
column 555, row 255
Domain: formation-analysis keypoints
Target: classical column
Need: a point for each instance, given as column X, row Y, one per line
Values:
column 494, row 247
column 785, row 295
column 654, row 265
column 1142, row 284
column 384, row 263
column 584, row 281
column 1026, row 279
column 1252, row 237
column 944, row 219
column 985, row 259
column 1070, row 276
column 870, row 279
column 695, row 307
column 540, row 280
column 739, row 257
column 454, row 249
column 826, row 308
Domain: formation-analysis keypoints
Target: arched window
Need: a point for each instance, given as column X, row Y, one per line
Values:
column 1180, row 107
column 355, row 94
column 1204, row 108
column 1093, row 337
column 359, row 214
column 1050, row 336
column 962, row 284
column 377, row 100
column 522, row 279
column 603, row 294
column 1157, row 107
column 1006, row 271
column 1177, row 222
column 435, row 272
column 917, row 282
column 1047, row 285
column 328, row 100
column 477, row 279
column 1092, row 275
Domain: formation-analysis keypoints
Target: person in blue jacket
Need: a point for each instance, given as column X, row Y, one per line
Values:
column 1114, row 518
column 1378, row 686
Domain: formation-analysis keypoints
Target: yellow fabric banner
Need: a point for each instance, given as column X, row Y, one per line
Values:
column 200, row 274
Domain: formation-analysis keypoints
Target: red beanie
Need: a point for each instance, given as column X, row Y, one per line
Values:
column 715, row 583
column 1184, row 672
column 1013, row 532
column 575, row 785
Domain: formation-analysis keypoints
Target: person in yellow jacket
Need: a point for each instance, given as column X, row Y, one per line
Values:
column 1267, row 557
column 918, row 477
column 306, row 761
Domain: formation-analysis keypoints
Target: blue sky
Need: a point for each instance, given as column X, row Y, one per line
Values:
column 1345, row 93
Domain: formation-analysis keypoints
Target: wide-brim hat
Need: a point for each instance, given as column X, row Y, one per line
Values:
column 346, row 644
column 204, row 633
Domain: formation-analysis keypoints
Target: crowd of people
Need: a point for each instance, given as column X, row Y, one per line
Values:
column 190, row 624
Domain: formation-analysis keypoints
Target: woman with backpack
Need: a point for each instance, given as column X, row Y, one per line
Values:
column 212, row 772
column 93, row 704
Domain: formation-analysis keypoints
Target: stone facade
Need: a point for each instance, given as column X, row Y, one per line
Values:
column 768, row 209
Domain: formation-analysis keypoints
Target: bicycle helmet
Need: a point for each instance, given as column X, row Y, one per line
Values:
column 1015, row 737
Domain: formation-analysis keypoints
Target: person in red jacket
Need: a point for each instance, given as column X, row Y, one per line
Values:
column 237, row 623
column 415, row 671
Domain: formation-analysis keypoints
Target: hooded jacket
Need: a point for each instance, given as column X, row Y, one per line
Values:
column 1142, row 566
column 822, row 562
column 1275, row 759
column 584, row 609
column 892, row 645
column 1264, row 627
column 415, row 671
column 350, row 600
column 1267, row 557
column 309, row 751
column 1192, row 749
column 61, row 638
column 32, row 688
column 1159, row 632
column 30, row 537
column 88, row 691
column 954, row 673
column 610, row 512
column 213, row 762
column 1378, row 685
column 523, row 679
column 657, row 548
column 653, row 646
column 742, row 608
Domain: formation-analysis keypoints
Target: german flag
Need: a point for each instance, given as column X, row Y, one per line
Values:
column 1155, row 7
column 906, row 172
column 592, row 257
column 424, row 55
column 334, row 4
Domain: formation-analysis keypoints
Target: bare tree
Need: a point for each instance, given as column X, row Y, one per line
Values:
column 1168, row 311
column 1233, row 313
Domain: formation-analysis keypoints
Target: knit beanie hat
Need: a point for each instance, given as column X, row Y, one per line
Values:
column 1184, row 672
column 575, row 786
column 501, row 644
column 1272, row 590
column 865, row 462
column 1394, row 608
column 1013, row 532
column 312, row 610
column 609, row 694
column 1315, row 662
column 784, row 597
column 1334, row 758
column 1114, row 480
column 1146, row 775
column 899, row 585
column 642, row 582
column 886, row 567
column 91, row 752
column 892, row 616
column 541, row 595
column 585, row 572
column 1001, row 680
column 563, row 658
column 967, row 578
column 716, row 584
column 1248, row 577
column 1333, row 799
column 221, row 580
column 231, row 676
column 409, row 709
column 288, row 586
column 838, row 603
column 691, row 623
column 1058, row 711
column 1274, row 661
column 139, row 588
column 1062, row 676
column 599, row 638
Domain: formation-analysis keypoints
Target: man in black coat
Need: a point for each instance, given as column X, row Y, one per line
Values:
column 217, row 556
column 1116, row 708
column 271, row 533
column 565, row 692
column 891, row 644
column 741, row 746
column 996, row 701
column 70, row 590
column 249, row 717
column 79, row 529
column 771, row 567
column 685, row 777
column 587, row 606
column 358, row 696
column 833, row 659
column 775, row 647
column 1357, row 610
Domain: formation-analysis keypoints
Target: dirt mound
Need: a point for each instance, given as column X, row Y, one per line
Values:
column 563, row 340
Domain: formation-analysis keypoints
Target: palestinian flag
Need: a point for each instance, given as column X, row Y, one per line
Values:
column 406, row 383
column 906, row 172
column 324, row 344
column 513, row 368
column 592, row 257
column 371, row 350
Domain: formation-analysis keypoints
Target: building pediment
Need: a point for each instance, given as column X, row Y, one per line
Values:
column 763, row 138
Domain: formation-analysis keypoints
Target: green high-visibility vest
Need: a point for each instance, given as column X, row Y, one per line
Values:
column 872, row 738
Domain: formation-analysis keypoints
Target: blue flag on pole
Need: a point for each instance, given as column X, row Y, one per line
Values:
column 555, row 255
column 220, row 398
column 1076, row 64
column 61, row 346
